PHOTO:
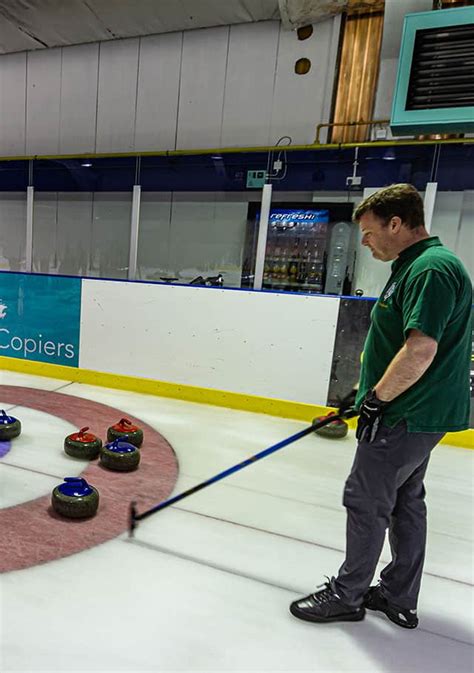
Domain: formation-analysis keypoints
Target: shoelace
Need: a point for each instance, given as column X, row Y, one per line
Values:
column 325, row 595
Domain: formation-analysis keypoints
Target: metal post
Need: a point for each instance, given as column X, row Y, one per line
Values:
column 262, row 236
column 429, row 203
column 135, row 223
column 30, row 196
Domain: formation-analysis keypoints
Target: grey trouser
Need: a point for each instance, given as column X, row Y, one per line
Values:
column 385, row 490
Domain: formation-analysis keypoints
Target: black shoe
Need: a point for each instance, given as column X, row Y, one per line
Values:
column 375, row 600
column 325, row 606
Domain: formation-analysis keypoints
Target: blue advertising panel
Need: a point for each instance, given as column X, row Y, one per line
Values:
column 40, row 318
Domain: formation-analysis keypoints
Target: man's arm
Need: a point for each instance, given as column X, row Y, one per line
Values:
column 408, row 366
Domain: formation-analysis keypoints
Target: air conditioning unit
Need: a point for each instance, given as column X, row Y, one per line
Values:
column 434, row 92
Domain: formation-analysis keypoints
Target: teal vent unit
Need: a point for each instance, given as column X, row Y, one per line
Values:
column 435, row 83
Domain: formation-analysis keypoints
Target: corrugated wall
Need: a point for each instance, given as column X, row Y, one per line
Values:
column 230, row 86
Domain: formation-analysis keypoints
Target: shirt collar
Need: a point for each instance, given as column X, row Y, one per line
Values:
column 415, row 250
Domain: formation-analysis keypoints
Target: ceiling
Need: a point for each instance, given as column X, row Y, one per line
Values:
column 38, row 24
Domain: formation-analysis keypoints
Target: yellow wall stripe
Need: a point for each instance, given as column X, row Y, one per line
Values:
column 260, row 405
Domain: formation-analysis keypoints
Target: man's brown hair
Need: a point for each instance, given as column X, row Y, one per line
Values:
column 401, row 201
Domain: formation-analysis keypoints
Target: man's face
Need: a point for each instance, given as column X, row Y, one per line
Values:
column 379, row 238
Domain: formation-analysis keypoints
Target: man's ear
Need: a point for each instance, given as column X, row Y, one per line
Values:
column 395, row 224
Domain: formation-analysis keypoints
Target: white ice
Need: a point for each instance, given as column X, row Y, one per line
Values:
column 205, row 585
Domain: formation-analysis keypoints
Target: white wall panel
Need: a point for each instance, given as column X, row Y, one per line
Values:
column 43, row 101
column 158, row 89
column 118, row 73
column 231, row 86
column 12, row 104
column 221, row 339
column 249, row 83
column 78, row 99
column 299, row 100
column 202, row 88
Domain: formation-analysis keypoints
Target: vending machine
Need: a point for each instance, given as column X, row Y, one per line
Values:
column 297, row 247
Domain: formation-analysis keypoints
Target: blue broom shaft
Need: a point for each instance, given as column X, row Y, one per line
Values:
column 235, row 468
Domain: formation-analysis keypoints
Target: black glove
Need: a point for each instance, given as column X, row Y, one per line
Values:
column 370, row 416
column 347, row 405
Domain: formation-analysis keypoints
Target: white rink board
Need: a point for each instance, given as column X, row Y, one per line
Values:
column 273, row 345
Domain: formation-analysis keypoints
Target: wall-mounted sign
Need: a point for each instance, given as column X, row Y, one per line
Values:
column 40, row 318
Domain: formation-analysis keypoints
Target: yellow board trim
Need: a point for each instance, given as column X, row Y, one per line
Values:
column 259, row 405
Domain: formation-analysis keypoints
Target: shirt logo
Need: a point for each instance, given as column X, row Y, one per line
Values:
column 390, row 291
column 3, row 309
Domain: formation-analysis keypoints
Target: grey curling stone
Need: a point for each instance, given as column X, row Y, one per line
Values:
column 75, row 498
column 125, row 429
column 335, row 430
column 82, row 444
column 10, row 427
column 120, row 456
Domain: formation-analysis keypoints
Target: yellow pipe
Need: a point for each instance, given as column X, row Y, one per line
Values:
column 241, row 150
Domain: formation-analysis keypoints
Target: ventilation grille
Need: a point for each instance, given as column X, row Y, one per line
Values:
column 442, row 72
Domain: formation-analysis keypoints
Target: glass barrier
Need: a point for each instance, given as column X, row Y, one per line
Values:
column 14, row 176
column 199, row 214
column 13, row 231
column 112, row 174
column 82, row 234
column 187, row 235
column 13, row 184
column 453, row 213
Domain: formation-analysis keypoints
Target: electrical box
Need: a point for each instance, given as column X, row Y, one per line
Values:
column 255, row 179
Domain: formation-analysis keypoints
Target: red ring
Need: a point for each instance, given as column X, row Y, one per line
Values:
column 33, row 533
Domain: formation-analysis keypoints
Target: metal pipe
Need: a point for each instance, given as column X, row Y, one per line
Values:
column 241, row 150
column 370, row 122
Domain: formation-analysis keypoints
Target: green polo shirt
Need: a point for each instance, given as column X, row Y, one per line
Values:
column 429, row 290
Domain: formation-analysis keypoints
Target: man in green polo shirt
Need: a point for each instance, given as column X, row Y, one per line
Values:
column 413, row 388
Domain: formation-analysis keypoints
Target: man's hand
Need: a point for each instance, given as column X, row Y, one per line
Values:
column 347, row 405
column 370, row 416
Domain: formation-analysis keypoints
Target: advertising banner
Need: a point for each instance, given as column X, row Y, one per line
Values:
column 40, row 318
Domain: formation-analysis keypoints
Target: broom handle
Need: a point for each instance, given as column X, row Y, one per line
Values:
column 134, row 516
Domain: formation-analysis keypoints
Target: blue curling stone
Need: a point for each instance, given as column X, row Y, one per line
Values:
column 75, row 498
column 75, row 486
column 119, row 446
column 120, row 456
column 10, row 426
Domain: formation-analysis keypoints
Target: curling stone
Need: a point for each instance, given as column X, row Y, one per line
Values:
column 125, row 427
column 82, row 444
column 10, row 427
column 75, row 499
column 337, row 429
column 120, row 456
